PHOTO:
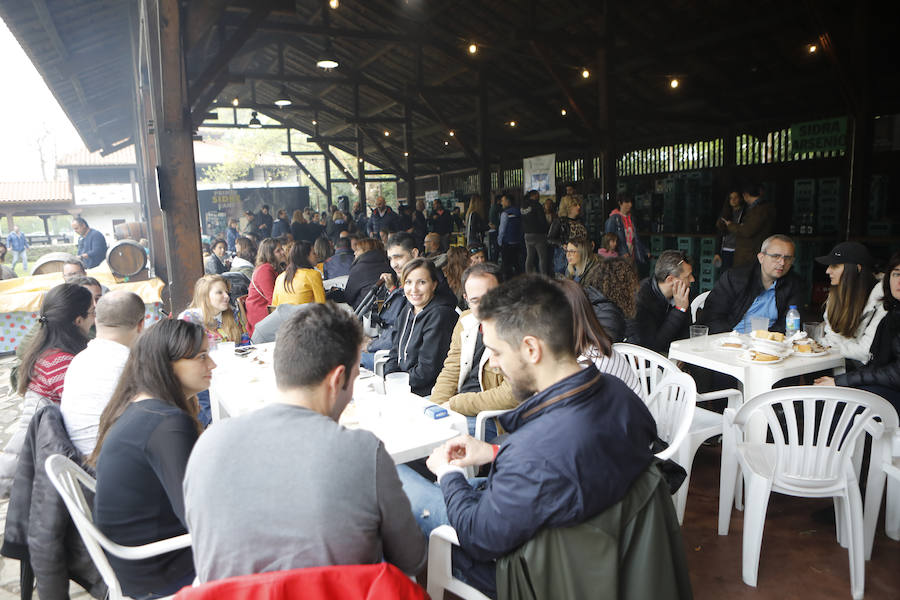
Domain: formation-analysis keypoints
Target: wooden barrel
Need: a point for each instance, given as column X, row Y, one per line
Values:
column 52, row 262
column 131, row 231
column 126, row 258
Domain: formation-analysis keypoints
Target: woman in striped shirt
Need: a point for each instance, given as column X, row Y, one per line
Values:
column 64, row 324
column 592, row 343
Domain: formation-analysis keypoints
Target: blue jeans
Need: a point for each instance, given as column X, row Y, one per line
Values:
column 205, row 414
column 490, row 428
column 367, row 360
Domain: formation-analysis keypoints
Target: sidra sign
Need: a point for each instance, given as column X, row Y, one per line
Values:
column 819, row 136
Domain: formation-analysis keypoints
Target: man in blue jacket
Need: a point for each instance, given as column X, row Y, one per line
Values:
column 511, row 238
column 576, row 442
column 18, row 243
column 91, row 246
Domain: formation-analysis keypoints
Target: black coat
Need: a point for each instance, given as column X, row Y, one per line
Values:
column 656, row 323
column 421, row 343
column 884, row 368
column 38, row 525
column 735, row 292
column 608, row 313
column 365, row 272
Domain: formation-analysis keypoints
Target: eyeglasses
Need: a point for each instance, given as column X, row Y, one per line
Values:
column 787, row 258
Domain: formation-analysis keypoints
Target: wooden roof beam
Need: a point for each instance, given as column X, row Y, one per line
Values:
column 467, row 150
column 399, row 170
column 200, row 18
column 542, row 55
column 198, row 88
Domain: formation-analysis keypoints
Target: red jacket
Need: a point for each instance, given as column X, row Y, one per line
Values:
column 259, row 295
column 363, row 582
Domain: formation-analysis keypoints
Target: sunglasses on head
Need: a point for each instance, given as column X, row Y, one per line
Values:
column 476, row 250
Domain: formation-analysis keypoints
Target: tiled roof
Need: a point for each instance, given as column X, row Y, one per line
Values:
column 35, row 191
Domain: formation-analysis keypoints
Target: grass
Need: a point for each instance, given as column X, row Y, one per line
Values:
column 35, row 253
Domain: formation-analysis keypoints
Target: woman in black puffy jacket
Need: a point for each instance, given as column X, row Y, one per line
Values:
column 881, row 375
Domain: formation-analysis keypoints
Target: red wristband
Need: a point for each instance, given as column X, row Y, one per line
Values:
column 496, row 448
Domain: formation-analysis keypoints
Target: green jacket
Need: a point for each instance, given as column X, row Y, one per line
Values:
column 632, row 550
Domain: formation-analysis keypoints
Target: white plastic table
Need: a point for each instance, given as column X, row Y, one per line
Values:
column 241, row 385
column 755, row 378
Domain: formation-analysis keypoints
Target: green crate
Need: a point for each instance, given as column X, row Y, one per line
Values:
column 688, row 245
column 706, row 287
column 707, row 244
column 829, row 186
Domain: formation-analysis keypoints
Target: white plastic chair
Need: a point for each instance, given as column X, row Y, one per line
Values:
column 696, row 304
column 884, row 462
column 651, row 367
column 672, row 405
column 378, row 362
column 67, row 478
column 440, row 574
column 482, row 417
column 811, row 456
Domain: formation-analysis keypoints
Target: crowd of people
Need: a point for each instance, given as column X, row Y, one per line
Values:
column 287, row 487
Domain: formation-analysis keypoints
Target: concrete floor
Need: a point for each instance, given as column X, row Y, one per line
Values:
column 800, row 558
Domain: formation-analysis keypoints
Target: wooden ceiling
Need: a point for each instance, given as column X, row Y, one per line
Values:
column 741, row 67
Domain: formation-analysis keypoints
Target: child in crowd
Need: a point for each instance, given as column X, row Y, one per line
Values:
column 608, row 245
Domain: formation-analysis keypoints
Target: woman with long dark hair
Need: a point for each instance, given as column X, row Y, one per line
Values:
column 425, row 327
column 245, row 251
column 301, row 282
column 881, row 375
column 855, row 304
column 64, row 324
column 268, row 265
column 457, row 262
column 591, row 341
column 147, row 432
column 611, row 287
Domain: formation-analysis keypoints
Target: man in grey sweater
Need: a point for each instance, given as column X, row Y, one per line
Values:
column 286, row 487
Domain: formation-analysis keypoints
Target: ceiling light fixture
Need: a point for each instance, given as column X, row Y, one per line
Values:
column 387, row 133
column 235, row 102
column 512, row 123
column 254, row 121
column 585, row 73
column 452, row 133
column 328, row 59
column 473, row 48
column 674, row 83
column 812, row 48
column 563, row 112
column 283, row 98
column 315, row 122
column 361, row 159
column 406, row 154
column 446, row 143
column 333, row 4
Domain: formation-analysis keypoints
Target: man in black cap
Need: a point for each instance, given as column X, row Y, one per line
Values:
column 766, row 289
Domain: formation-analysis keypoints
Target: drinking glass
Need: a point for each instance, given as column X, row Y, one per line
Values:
column 700, row 331
column 813, row 330
column 396, row 385
column 759, row 323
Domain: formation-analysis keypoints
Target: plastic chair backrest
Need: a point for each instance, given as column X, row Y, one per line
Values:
column 815, row 430
column 649, row 366
column 672, row 406
column 696, row 304
column 68, row 479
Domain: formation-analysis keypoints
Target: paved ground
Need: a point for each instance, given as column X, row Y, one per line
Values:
column 9, row 411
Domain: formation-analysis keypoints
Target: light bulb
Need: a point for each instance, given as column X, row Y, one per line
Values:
column 563, row 112
column 585, row 73
column 473, row 48
column 674, row 83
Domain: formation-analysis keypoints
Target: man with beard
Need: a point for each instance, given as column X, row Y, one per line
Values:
column 577, row 440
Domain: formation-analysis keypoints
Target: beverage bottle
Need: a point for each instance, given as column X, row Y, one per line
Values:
column 792, row 321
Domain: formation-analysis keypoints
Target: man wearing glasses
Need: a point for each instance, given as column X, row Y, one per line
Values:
column 766, row 290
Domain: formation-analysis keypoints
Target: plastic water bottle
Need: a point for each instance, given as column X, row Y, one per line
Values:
column 792, row 321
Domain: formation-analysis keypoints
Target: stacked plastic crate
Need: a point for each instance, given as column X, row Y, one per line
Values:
column 827, row 215
column 804, row 205
column 673, row 209
column 594, row 219
column 708, row 271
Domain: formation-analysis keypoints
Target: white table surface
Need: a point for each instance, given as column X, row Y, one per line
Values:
column 243, row 384
column 755, row 378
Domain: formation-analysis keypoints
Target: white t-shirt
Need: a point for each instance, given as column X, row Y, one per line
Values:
column 90, row 382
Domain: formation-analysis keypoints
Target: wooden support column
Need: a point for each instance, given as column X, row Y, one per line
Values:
column 360, row 152
column 605, row 113
column 410, row 161
column 860, row 151
column 484, row 163
column 176, row 170
column 328, row 189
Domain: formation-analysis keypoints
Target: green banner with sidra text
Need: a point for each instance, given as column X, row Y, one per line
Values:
column 819, row 136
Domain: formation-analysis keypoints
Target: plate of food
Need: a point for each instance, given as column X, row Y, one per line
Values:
column 756, row 357
column 770, row 342
column 809, row 348
column 732, row 342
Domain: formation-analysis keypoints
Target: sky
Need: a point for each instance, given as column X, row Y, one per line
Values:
column 29, row 112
